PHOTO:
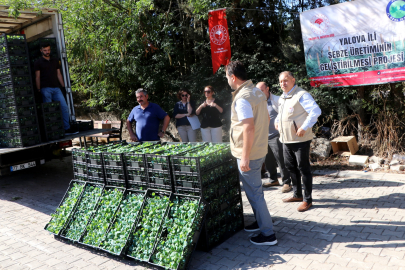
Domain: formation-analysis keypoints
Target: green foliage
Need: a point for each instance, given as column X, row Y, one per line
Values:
column 148, row 228
column 178, row 231
column 83, row 213
column 127, row 214
column 62, row 213
column 97, row 228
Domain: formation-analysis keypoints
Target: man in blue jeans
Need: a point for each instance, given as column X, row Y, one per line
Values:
column 48, row 78
column 248, row 141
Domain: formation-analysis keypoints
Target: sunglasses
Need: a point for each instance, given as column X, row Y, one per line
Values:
column 184, row 95
column 207, row 91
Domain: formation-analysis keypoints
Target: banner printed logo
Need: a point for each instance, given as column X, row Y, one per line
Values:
column 218, row 34
column 319, row 24
column 396, row 10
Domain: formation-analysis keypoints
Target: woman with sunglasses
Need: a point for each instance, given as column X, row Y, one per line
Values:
column 182, row 110
column 210, row 109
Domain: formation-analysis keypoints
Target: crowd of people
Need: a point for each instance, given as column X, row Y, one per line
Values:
column 267, row 131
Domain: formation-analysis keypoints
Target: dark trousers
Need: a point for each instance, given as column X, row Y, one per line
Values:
column 296, row 158
column 275, row 157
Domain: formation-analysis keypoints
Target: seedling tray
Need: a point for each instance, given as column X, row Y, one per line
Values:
column 82, row 214
column 202, row 182
column 103, row 215
column 222, row 226
column 66, row 197
column 114, row 173
column 158, row 213
column 17, row 142
column 96, row 180
column 50, row 107
column 18, row 132
column 211, row 156
column 80, row 167
column 160, row 179
column 10, row 91
column 81, row 177
column 15, row 70
column 137, row 178
column 52, row 117
column 124, row 210
column 95, row 171
column 54, row 126
column 168, row 233
column 55, row 135
column 79, row 155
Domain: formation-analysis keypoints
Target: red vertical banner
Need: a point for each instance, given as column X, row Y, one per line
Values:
column 219, row 37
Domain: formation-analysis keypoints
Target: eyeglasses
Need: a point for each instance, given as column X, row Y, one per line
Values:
column 183, row 95
column 207, row 92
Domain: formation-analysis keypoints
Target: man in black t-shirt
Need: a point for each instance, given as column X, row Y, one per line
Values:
column 47, row 79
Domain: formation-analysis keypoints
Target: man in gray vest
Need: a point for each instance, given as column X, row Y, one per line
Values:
column 274, row 155
column 297, row 113
column 248, row 141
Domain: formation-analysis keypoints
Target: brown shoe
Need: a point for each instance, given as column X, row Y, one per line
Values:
column 304, row 206
column 286, row 188
column 271, row 184
column 293, row 199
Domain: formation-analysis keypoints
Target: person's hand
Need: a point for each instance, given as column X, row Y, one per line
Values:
column 276, row 126
column 204, row 104
column 244, row 165
column 188, row 98
column 134, row 138
column 161, row 134
column 300, row 132
column 214, row 105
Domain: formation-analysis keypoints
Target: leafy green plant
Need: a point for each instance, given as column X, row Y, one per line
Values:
column 179, row 227
column 121, row 228
column 148, row 228
column 83, row 212
column 62, row 213
column 208, row 156
column 97, row 228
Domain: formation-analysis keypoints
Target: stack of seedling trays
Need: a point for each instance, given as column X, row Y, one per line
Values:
column 88, row 163
column 158, row 163
column 51, row 121
column 124, row 166
column 18, row 117
column 157, row 227
column 211, row 172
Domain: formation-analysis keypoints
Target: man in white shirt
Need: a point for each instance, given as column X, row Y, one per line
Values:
column 297, row 113
column 248, row 141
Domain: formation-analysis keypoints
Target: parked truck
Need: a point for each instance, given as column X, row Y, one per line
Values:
column 35, row 26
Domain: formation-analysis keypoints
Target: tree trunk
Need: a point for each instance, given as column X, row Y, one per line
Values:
column 362, row 113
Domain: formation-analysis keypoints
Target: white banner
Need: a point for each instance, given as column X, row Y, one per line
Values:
column 355, row 43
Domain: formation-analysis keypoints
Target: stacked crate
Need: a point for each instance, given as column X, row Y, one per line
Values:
column 51, row 121
column 214, row 177
column 19, row 121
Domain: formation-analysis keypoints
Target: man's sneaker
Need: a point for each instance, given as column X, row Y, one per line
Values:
column 262, row 240
column 252, row 227
column 70, row 131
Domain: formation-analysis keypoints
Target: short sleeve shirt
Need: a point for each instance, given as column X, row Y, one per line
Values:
column 48, row 72
column 147, row 121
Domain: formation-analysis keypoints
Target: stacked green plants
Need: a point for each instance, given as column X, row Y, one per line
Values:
column 175, row 244
column 143, row 239
column 83, row 213
column 98, row 226
column 62, row 213
column 126, row 216
column 208, row 156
